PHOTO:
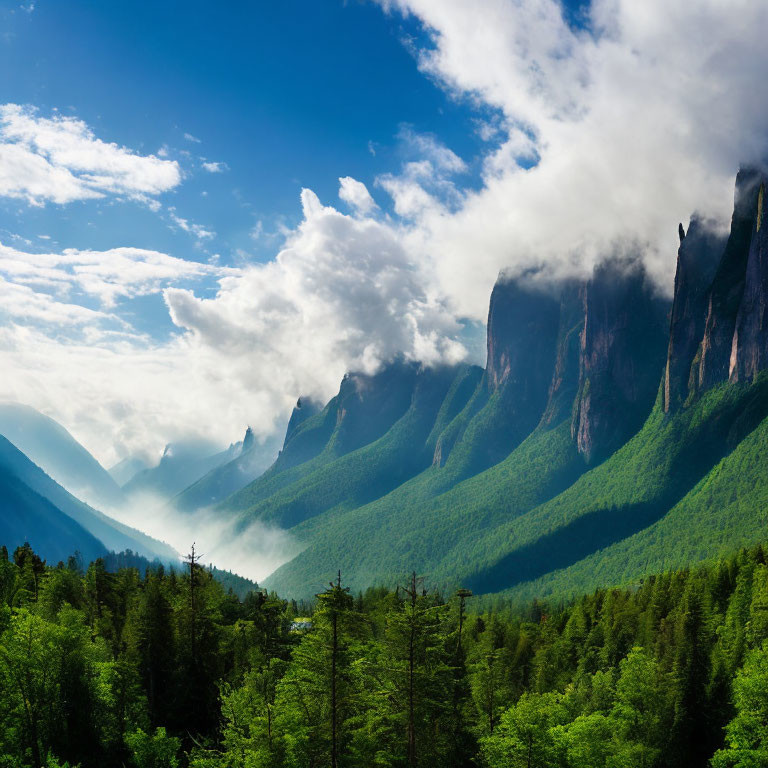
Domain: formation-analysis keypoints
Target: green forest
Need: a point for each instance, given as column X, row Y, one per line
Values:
column 166, row 669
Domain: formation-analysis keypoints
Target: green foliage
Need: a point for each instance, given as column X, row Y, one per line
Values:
column 540, row 522
column 747, row 733
column 153, row 750
column 167, row 670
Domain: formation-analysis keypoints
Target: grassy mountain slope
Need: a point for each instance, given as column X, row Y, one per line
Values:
column 520, row 520
column 337, row 479
column 363, row 410
column 726, row 509
column 415, row 527
column 633, row 489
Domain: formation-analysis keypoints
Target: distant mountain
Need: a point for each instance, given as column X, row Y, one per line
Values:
column 127, row 469
column 181, row 465
column 610, row 436
column 26, row 516
column 249, row 463
column 51, row 447
column 24, row 475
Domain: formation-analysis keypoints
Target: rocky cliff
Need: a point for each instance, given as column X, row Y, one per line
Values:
column 725, row 295
column 522, row 331
column 749, row 349
column 697, row 260
column 621, row 353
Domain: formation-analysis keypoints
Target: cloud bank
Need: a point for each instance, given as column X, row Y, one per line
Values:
column 612, row 132
column 342, row 294
column 598, row 136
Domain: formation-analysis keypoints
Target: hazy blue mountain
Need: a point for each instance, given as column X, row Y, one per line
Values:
column 25, row 516
column 54, row 449
column 224, row 480
column 181, row 465
column 111, row 534
column 127, row 469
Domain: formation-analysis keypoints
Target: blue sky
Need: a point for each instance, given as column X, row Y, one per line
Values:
column 280, row 104
column 280, row 96
column 156, row 157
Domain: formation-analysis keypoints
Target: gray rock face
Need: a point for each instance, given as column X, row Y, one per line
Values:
column 749, row 350
column 621, row 354
column 565, row 378
column 728, row 285
column 522, row 332
column 697, row 260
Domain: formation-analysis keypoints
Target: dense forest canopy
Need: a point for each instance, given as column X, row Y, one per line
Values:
column 167, row 669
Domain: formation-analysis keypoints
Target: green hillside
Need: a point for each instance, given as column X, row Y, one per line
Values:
column 335, row 479
column 725, row 510
column 519, row 521
column 417, row 523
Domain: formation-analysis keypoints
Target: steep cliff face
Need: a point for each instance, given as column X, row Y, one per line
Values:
column 749, row 350
column 522, row 331
column 621, row 354
column 368, row 405
column 509, row 402
column 365, row 407
column 565, row 378
column 727, row 290
column 304, row 409
column 697, row 260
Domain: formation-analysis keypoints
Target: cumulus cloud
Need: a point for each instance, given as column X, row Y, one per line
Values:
column 613, row 132
column 118, row 273
column 60, row 160
column 212, row 167
column 356, row 195
column 343, row 294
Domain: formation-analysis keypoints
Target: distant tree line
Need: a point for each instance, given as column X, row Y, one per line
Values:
column 166, row 669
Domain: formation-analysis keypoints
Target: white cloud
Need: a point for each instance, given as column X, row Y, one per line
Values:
column 22, row 303
column 60, row 160
column 630, row 126
column 199, row 231
column 118, row 273
column 193, row 139
column 212, row 167
column 342, row 294
column 356, row 194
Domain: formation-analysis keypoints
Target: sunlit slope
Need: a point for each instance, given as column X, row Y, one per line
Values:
column 414, row 524
column 356, row 477
column 520, row 521
column 726, row 509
